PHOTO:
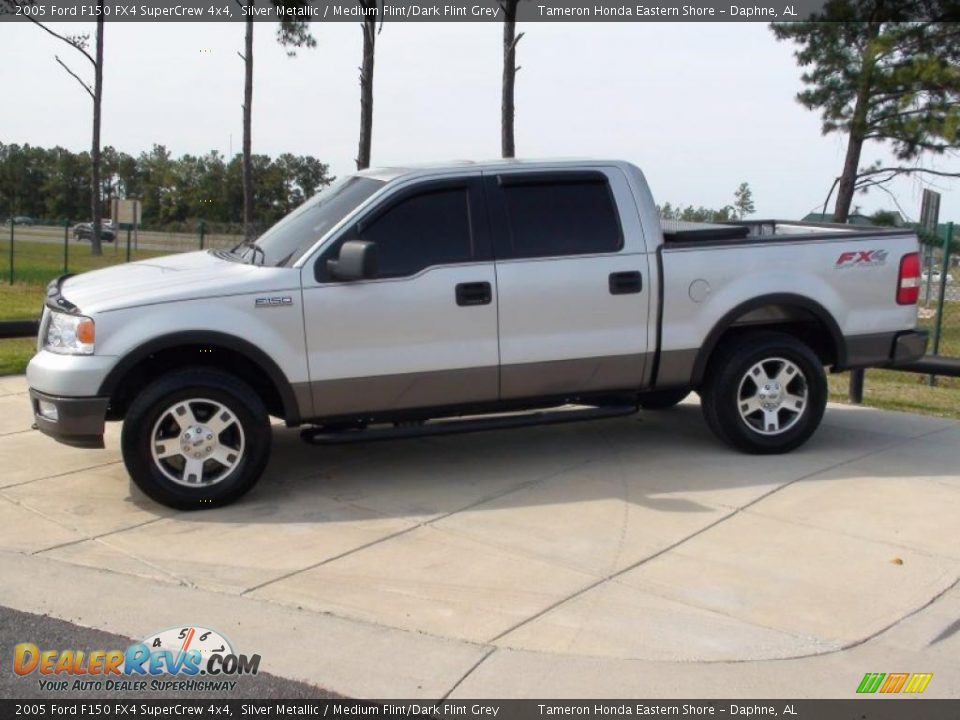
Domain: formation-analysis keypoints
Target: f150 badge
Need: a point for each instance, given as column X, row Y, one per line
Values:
column 265, row 302
column 861, row 258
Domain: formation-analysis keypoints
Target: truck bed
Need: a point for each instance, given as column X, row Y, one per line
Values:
column 680, row 233
column 684, row 231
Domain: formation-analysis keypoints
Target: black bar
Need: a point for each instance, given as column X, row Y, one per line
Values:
column 933, row 365
column 19, row 329
column 460, row 11
column 872, row 706
column 322, row 436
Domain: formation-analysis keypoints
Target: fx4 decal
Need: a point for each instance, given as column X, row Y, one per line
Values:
column 861, row 258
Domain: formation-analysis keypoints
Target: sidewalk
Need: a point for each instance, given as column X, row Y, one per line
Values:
column 630, row 557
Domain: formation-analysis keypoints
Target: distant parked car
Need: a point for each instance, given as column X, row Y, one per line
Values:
column 935, row 279
column 22, row 220
column 84, row 231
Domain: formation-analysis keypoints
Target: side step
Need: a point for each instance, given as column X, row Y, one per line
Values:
column 322, row 436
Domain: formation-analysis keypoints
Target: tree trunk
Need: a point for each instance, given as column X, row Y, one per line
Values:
column 858, row 130
column 848, row 180
column 247, row 128
column 366, row 85
column 507, row 148
column 96, row 210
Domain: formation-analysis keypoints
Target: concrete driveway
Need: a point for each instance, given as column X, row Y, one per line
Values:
column 625, row 557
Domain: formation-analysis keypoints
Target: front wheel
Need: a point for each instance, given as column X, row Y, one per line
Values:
column 196, row 439
column 765, row 393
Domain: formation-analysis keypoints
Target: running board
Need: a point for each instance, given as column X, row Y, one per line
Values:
column 321, row 436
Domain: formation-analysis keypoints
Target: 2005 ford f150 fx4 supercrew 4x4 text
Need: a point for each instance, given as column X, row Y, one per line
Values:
column 408, row 301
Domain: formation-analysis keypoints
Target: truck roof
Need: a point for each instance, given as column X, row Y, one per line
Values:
column 388, row 173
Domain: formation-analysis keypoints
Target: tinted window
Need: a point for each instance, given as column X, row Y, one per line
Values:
column 285, row 242
column 560, row 217
column 431, row 228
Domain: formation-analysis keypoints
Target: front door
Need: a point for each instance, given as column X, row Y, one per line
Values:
column 421, row 334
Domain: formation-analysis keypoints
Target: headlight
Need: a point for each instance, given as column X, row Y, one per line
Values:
column 69, row 334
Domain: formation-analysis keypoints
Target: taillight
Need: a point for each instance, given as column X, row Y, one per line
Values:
column 908, row 284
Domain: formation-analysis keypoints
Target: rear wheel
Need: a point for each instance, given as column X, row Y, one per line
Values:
column 196, row 439
column 765, row 393
column 662, row 399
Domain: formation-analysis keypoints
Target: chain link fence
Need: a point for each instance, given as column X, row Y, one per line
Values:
column 35, row 254
column 939, row 306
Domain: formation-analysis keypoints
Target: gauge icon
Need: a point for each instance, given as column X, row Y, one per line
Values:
column 189, row 638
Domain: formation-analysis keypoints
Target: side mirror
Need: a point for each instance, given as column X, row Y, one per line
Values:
column 357, row 261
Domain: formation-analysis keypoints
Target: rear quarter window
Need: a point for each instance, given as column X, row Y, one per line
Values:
column 563, row 214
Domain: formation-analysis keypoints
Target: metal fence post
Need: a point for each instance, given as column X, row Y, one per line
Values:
column 855, row 393
column 11, row 251
column 128, row 243
column 941, row 296
column 66, row 246
column 944, row 269
column 202, row 229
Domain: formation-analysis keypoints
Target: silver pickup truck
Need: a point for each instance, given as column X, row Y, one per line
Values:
column 409, row 301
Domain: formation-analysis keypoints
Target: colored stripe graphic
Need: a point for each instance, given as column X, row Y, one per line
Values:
column 895, row 681
column 870, row 682
column 918, row 682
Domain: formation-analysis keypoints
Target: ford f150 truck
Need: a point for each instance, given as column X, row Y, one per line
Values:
column 406, row 301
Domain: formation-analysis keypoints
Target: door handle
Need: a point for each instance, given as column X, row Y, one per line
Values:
column 474, row 293
column 626, row 283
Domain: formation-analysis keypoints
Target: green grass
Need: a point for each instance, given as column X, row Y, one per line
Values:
column 37, row 263
column 907, row 392
column 22, row 301
column 15, row 354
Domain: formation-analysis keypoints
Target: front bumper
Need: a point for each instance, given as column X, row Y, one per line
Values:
column 79, row 421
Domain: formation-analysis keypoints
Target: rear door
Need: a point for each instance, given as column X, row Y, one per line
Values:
column 424, row 332
column 572, row 279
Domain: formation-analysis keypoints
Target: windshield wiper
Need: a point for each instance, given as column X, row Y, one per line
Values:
column 253, row 247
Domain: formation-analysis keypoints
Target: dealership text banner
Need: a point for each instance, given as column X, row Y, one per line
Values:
column 424, row 11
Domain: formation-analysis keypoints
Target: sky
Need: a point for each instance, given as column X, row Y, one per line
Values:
column 700, row 107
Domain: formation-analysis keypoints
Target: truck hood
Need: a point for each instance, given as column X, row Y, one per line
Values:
column 187, row 276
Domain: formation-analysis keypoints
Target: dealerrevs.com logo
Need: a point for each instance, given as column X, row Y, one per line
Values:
column 172, row 659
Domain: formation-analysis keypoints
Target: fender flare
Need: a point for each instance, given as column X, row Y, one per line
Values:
column 170, row 341
column 789, row 299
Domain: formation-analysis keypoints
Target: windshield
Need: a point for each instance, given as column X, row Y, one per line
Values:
column 285, row 242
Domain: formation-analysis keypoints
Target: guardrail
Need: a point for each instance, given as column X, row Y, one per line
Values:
column 933, row 365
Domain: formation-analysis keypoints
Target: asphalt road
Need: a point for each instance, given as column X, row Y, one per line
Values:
column 51, row 634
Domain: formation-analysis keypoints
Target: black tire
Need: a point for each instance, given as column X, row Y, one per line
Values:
column 726, row 393
column 152, row 411
column 662, row 399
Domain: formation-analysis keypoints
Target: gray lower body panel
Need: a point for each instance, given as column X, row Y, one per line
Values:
column 303, row 395
column 676, row 369
column 386, row 393
column 586, row 375
column 469, row 386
